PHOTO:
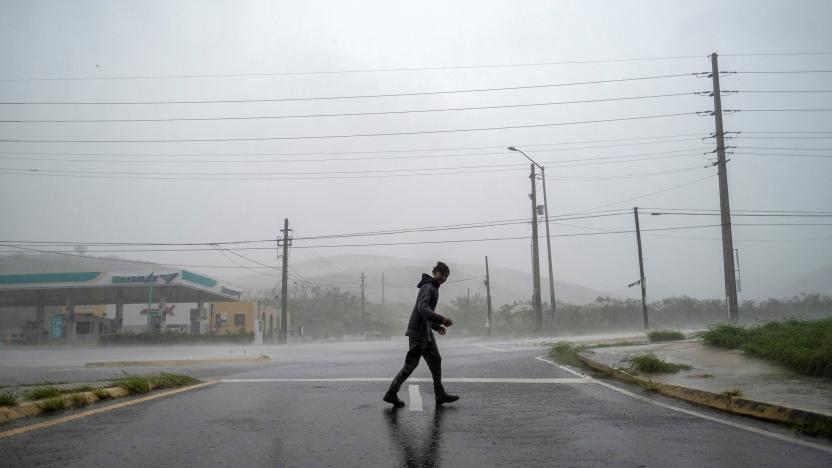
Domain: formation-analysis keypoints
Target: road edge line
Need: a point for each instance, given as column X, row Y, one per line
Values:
column 103, row 409
column 644, row 399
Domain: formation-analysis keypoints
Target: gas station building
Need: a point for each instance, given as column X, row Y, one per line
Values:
column 78, row 293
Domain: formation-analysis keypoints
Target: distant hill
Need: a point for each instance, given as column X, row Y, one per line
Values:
column 402, row 274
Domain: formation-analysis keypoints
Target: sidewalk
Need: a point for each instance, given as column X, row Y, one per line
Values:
column 717, row 370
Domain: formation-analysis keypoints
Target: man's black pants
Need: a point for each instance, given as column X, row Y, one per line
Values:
column 420, row 349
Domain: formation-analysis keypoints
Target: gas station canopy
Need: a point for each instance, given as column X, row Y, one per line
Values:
column 93, row 288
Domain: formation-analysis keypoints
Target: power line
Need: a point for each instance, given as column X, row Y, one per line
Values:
column 361, row 135
column 775, row 54
column 472, row 225
column 782, row 148
column 349, row 114
column 645, row 195
column 222, row 252
column 789, row 132
column 785, row 155
column 769, row 72
column 411, row 150
column 774, row 91
column 356, row 96
column 446, row 241
column 121, row 260
column 560, row 163
column 349, row 71
column 782, row 110
column 323, row 174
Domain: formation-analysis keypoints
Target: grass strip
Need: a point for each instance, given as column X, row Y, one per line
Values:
column 802, row 345
column 665, row 335
column 567, row 353
column 137, row 384
column 53, row 405
column 651, row 364
column 42, row 392
column 7, row 399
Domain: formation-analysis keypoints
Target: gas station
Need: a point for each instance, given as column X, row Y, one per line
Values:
column 68, row 290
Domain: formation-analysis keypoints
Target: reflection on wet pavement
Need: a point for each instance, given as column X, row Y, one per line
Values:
column 414, row 452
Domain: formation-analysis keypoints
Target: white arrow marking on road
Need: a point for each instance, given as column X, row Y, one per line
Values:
column 415, row 398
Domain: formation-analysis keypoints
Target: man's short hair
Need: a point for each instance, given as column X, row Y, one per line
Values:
column 441, row 268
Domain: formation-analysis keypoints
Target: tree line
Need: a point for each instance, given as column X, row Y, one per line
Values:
column 331, row 312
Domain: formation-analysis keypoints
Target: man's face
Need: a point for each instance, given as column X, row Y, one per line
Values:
column 440, row 277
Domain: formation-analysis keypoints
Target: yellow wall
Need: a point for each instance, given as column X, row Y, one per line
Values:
column 249, row 311
column 96, row 310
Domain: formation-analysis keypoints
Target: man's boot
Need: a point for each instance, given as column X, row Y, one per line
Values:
column 442, row 397
column 391, row 395
column 393, row 398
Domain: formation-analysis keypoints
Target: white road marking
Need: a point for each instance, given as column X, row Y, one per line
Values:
column 690, row 412
column 415, row 398
column 489, row 348
column 582, row 380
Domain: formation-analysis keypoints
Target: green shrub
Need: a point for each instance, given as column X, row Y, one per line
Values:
column 726, row 336
column 53, row 405
column 81, row 389
column 134, row 384
column 7, row 399
column 165, row 380
column 650, row 364
column 665, row 335
column 79, row 400
column 44, row 391
column 802, row 345
column 566, row 353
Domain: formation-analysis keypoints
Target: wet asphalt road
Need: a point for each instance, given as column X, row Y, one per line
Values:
column 344, row 423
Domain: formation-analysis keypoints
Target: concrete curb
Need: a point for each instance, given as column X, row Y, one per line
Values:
column 742, row 406
column 179, row 362
column 71, row 400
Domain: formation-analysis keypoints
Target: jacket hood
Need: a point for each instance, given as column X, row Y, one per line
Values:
column 426, row 278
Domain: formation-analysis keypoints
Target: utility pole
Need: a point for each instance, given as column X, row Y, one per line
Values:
column 284, row 287
column 642, row 282
column 724, row 203
column 552, row 307
column 362, row 297
column 382, row 290
column 536, row 302
column 488, row 298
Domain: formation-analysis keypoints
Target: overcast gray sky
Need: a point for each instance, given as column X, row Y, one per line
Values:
column 154, row 39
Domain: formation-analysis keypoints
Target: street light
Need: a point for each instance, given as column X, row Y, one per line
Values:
column 548, row 239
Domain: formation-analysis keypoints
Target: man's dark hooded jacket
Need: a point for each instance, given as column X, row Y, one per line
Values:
column 424, row 318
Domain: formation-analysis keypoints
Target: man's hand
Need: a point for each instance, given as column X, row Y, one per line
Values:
column 441, row 330
column 448, row 322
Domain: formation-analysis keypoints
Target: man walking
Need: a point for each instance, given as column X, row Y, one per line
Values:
column 422, row 343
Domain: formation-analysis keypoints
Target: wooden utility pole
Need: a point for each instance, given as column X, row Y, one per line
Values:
column 724, row 203
column 363, row 285
column 553, row 306
column 642, row 282
column 536, row 302
column 382, row 290
column 488, row 299
column 284, row 288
